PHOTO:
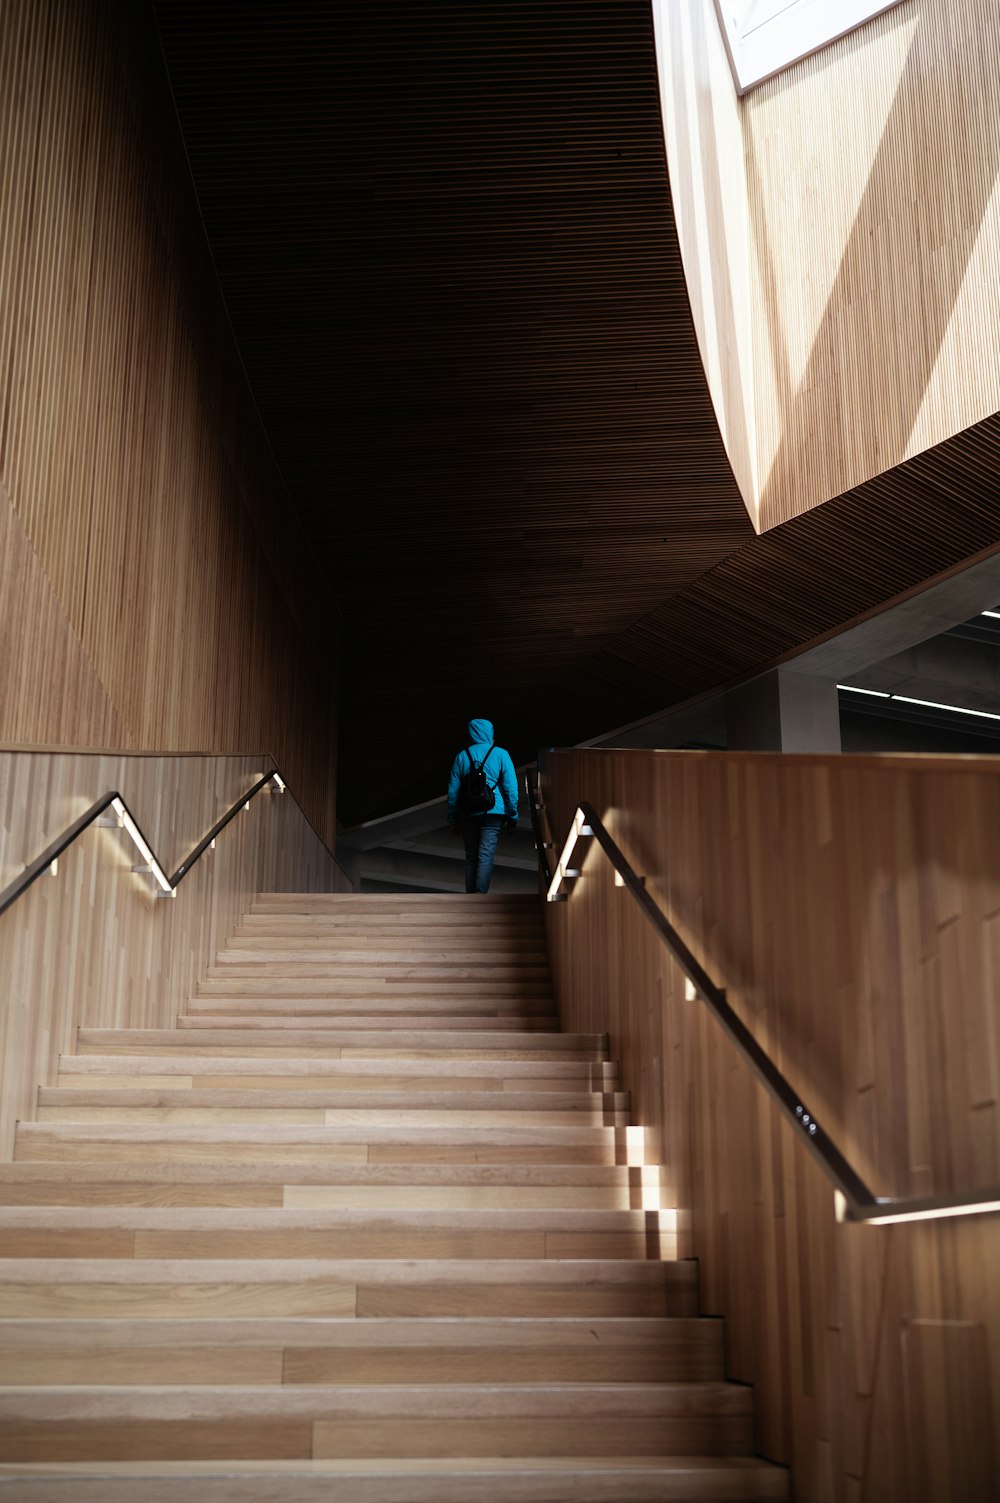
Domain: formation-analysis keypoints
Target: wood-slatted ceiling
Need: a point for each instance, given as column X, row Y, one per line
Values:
column 445, row 239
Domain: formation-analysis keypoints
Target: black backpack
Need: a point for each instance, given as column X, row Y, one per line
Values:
column 475, row 794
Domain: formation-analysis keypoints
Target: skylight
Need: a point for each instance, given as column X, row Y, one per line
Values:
column 764, row 36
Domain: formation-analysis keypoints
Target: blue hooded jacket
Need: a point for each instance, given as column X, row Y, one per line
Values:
column 499, row 770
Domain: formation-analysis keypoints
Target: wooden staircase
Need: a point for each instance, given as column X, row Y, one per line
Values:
column 362, row 1228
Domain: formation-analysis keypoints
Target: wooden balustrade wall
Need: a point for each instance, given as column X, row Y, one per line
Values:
column 156, row 589
column 92, row 945
column 851, row 908
column 840, row 231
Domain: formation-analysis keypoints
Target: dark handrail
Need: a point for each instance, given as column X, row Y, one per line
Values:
column 44, row 862
column 217, row 828
column 854, row 1200
column 535, row 809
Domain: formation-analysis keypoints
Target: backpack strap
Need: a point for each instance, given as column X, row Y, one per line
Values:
column 480, row 765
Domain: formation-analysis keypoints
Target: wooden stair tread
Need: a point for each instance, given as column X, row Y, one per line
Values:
column 608, row 1480
column 445, row 1401
column 315, row 949
column 359, row 1175
column 333, row 1096
column 366, row 1178
column 434, row 1420
column 206, row 1219
column 350, row 1351
column 136, row 1040
column 572, row 1272
column 80, row 1288
column 309, row 1183
column 473, row 1035
column 188, row 1062
column 502, row 1480
column 270, row 1232
column 333, row 1333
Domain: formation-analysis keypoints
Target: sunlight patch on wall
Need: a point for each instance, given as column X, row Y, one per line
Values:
column 808, row 171
column 971, row 342
column 701, row 120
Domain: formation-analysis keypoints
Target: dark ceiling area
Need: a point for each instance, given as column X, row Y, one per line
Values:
column 444, row 236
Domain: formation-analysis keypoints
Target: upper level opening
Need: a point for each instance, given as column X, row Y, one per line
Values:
column 764, row 36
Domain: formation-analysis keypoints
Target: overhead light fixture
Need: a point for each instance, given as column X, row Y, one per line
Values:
column 933, row 704
column 926, row 704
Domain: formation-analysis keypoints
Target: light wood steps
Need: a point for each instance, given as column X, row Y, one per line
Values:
column 384, row 1039
column 356, row 1352
column 312, row 1185
column 301, row 1422
column 158, row 1288
column 408, row 1074
column 330, row 1105
column 284, row 1233
column 363, row 1226
column 346, row 1143
column 497, row 1480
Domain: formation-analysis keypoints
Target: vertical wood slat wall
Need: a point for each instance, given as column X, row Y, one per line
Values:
column 851, row 907
column 93, row 946
column 840, row 231
column 157, row 592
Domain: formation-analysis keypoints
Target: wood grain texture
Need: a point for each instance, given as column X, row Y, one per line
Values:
column 849, row 906
column 494, row 1480
column 157, row 592
column 528, row 1330
column 843, row 281
column 92, row 946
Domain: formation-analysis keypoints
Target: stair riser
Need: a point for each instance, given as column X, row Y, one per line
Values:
column 363, row 992
column 76, row 1301
column 310, row 1366
column 607, row 1484
column 119, row 1243
column 323, row 1197
column 492, row 1041
column 567, row 1106
column 148, row 1075
column 259, row 1440
column 378, row 968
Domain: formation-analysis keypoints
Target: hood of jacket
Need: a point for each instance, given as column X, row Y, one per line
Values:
column 480, row 732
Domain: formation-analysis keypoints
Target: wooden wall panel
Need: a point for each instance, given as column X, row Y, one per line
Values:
column 168, row 598
column 857, row 221
column 92, row 946
column 850, row 907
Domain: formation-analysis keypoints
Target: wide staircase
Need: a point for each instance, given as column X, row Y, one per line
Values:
column 363, row 1228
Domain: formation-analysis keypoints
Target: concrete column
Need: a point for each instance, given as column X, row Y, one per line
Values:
column 349, row 860
column 784, row 711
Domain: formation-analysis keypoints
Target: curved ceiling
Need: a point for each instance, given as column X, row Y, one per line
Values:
column 444, row 236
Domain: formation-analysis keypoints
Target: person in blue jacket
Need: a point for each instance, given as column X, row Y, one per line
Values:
column 482, row 831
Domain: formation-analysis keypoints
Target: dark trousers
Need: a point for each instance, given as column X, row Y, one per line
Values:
column 480, row 835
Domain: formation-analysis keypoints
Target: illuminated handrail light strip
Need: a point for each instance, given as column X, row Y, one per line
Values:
column 140, row 844
column 48, row 861
column 994, row 614
column 860, row 1204
column 563, row 869
column 927, row 704
column 922, row 1213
